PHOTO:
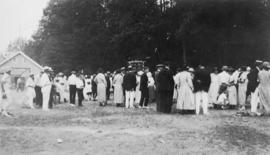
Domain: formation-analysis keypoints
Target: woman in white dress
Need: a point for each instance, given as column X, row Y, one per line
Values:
column 214, row 87
column 138, row 92
column 101, row 82
column 242, row 87
column 30, row 91
column 232, row 92
column 264, row 88
column 185, row 99
column 117, row 83
column 151, row 87
column 87, row 91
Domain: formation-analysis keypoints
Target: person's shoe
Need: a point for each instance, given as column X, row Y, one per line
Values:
column 72, row 105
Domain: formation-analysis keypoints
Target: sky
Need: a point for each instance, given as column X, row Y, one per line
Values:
column 19, row 19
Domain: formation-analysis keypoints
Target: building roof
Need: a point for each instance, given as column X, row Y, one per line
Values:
column 19, row 53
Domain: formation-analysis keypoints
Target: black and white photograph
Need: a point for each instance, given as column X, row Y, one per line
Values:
column 134, row 77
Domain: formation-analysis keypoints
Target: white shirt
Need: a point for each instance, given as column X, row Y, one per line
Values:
column 44, row 80
column 222, row 98
column 72, row 79
column 224, row 77
column 30, row 83
column 79, row 83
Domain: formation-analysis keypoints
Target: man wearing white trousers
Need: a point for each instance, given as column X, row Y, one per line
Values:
column 201, row 83
column 129, row 84
column 46, row 86
column 5, row 98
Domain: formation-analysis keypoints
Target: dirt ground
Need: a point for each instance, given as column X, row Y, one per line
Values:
column 109, row 130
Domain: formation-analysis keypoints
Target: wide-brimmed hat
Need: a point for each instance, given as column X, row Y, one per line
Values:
column 47, row 68
column 160, row 65
column 225, row 68
column 123, row 68
column 61, row 74
column 266, row 64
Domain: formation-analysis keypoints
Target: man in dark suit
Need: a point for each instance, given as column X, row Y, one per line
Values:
column 129, row 85
column 165, row 87
column 201, row 84
column 107, row 77
column 253, row 84
column 144, row 89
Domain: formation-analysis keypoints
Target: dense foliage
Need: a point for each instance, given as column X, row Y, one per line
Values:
column 92, row 33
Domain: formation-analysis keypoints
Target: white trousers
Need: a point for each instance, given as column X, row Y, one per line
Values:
column 254, row 101
column 46, row 97
column 201, row 99
column 130, row 96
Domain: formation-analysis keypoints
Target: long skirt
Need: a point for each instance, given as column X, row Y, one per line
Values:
column 101, row 93
column 242, row 90
column 213, row 93
column 264, row 95
column 138, row 95
column 151, row 93
column 118, row 94
column 164, row 101
column 232, row 95
column 185, row 100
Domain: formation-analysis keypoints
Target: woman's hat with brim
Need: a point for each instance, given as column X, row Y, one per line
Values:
column 266, row 64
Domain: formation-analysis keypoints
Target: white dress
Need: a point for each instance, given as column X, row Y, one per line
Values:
column 214, row 88
column 242, row 88
column 118, row 94
column 138, row 92
column 101, row 87
column 232, row 91
column 185, row 99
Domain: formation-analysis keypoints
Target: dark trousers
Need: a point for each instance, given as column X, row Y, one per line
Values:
column 38, row 99
column 108, row 93
column 51, row 100
column 80, row 96
column 164, row 101
column 144, row 97
column 72, row 93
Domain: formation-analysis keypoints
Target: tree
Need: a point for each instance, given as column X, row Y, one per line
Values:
column 17, row 45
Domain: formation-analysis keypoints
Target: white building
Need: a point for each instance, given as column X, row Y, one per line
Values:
column 20, row 65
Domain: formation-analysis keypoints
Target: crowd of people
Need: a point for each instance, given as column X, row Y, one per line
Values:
column 194, row 90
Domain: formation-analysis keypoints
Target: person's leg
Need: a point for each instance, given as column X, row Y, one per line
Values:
column 80, row 96
column 70, row 93
column 205, row 103
column 198, row 102
column 127, row 93
column 46, row 97
column 142, row 98
column 254, row 101
column 132, row 98
column 146, row 98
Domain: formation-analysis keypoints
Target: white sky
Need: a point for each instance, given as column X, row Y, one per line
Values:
column 19, row 18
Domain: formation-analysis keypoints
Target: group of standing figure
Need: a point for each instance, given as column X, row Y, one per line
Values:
column 193, row 89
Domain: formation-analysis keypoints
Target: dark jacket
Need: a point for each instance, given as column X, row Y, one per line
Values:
column 165, row 80
column 129, row 82
column 201, row 80
column 252, row 80
column 144, row 83
column 108, row 82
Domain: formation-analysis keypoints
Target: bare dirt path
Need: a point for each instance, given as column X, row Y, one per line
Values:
column 110, row 130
